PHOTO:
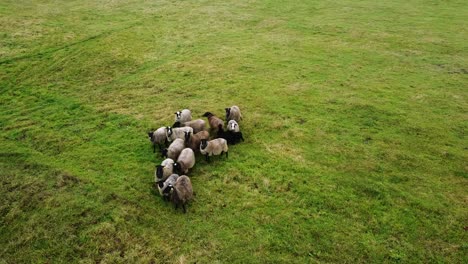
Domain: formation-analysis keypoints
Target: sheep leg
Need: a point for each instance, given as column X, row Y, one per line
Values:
column 207, row 158
column 183, row 207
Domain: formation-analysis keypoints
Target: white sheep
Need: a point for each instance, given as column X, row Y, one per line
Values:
column 164, row 170
column 181, row 192
column 162, row 185
column 233, row 113
column 158, row 137
column 174, row 149
column 213, row 147
column 185, row 161
column 183, row 116
column 197, row 125
column 178, row 132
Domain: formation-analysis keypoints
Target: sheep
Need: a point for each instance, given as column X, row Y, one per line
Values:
column 197, row 125
column 193, row 141
column 233, row 126
column 181, row 192
column 164, row 170
column 185, row 161
column 162, row 185
column 231, row 137
column 158, row 137
column 213, row 147
column 214, row 121
column 183, row 116
column 233, row 113
column 174, row 149
column 179, row 132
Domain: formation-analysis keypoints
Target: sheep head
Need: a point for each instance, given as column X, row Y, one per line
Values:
column 169, row 131
column 207, row 114
column 164, row 152
column 159, row 171
column 203, row 144
column 178, row 115
column 187, row 136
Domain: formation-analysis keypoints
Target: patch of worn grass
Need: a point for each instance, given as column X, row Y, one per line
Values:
column 355, row 120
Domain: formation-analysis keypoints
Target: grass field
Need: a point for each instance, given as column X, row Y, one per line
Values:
column 355, row 119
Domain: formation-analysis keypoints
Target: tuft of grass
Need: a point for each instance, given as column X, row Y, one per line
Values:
column 354, row 119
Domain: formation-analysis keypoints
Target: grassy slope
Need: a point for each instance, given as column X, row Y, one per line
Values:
column 355, row 118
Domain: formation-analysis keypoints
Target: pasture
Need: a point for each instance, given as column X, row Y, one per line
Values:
column 355, row 120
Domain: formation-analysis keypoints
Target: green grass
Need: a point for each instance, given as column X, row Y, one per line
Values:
column 354, row 119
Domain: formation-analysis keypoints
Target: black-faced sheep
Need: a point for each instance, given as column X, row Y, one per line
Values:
column 174, row 149
column 158, row 137
column 185, row 161
column 197, row 125
column 233, row 113
column 231, row 137
column 214, row 121
column 178, row 132
column 193, row 141
column 164, row 170
column 162, row 185
column 181, row 192
column 213, row 147
column 183, row 116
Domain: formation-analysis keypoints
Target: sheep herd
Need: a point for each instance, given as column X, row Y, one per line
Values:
column 179, row 143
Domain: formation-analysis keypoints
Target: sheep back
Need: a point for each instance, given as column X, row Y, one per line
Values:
column 197, row 125
column 233, row 113
column 214, row 121
column 193, row 141
column 178, row 132
column 175, row 148
column 214, row 147
column 183, row 191
column 186, row 160
column 183, row 116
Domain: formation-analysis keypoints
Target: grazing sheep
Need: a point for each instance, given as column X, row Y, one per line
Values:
column 162, row 185
column 164, row 170
column 193, row 141
column 179, row 132
column 231, row 137
column 233, row 113
column 174, row 149
column 158, row 137
column 233, row 126
column 183, row 116
column 213, row 147
column 214, row 121
column 181, row 192
column 185, row 161
column 197, row 125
